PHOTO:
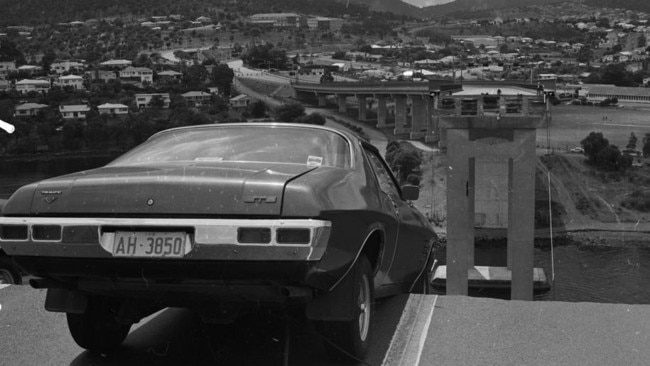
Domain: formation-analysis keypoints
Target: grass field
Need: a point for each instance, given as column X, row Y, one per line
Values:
column 570, row 124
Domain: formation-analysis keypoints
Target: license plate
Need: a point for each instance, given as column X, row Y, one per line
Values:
column 149, row 244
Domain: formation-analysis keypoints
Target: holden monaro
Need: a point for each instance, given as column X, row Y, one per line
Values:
column 218, row 217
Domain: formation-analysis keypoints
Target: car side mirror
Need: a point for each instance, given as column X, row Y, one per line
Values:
column 410, row 192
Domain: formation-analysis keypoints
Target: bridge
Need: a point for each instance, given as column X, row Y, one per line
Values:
column 417, row 109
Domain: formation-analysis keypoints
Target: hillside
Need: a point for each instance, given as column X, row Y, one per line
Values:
column 638, row 5
column 461, row 7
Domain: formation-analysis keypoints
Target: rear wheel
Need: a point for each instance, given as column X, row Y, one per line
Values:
column 9, row 272
column 350, row 339
column 98, row 330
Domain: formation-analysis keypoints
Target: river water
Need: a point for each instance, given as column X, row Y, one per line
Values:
column 582, row 273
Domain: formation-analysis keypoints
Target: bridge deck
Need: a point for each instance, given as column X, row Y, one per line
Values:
column 457, row 330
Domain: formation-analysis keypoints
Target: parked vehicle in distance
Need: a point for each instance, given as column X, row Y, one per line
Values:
column 577, row 150
column 220, row 218
column 9, row 271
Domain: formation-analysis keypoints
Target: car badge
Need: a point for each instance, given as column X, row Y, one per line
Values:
column 50, row 196
column 150, row 202
column 261, row 199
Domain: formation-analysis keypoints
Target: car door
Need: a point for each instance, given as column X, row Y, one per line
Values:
column 408, row 254
column 391, row 207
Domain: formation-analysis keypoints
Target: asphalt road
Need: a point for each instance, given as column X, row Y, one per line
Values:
column 29, row 335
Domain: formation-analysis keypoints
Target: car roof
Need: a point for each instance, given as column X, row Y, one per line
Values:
column 352, row 138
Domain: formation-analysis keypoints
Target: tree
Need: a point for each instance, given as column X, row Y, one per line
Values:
column 289, row 112
column 258, row 109
column 312, row 119
column 221, row 77
column 593, row 144
column 646, row 145
column 631, row 144
column 406, row 161
column 610, row 158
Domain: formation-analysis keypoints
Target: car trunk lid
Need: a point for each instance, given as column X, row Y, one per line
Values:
column 223, row 189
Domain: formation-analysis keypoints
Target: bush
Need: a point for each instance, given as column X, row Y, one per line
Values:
column 637, row 200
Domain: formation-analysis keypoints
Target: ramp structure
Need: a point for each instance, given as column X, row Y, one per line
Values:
column 491, row 128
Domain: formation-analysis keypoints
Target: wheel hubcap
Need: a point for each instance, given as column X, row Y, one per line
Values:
column 364, row 308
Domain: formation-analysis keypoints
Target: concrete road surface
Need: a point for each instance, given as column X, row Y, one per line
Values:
column 29, row 335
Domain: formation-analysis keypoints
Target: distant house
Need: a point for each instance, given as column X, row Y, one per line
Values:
column 7, row 67
column 28, row 85
column 279, row 20
column 139, row 74
column 115, row 109
column 30, row 69
column 213, row 90
column 144, row 100
column 599, row 92
column 240, row 101
column 197, row 98
column 103, row 75
column 76, row 111
column 325, row 24
column 116, row 64
column 28, row 109
column 168, row 76
column 66, row 66
column 73, row 81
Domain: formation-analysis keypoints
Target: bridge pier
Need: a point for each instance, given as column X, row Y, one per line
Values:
column 322, row 100
column 420, row 118
column 400, row 115
column 342, row 99
column 361, row 99
column 382, row 112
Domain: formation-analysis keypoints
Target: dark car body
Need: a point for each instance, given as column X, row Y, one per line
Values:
column 222, row 214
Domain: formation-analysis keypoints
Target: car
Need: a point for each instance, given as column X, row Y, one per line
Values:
column 577, row 150
column 221, row 218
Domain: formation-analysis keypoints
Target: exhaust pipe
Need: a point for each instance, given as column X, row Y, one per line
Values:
column 294, row 292
column 41, row 283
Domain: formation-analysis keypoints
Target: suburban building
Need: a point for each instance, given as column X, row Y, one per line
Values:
column 30, row 69
column 140, row 74
column 73, row 81
column 240, row 101
column 115, row 109
column 116, row 64
column 279, row 20
column 197, row 98
column 599, row 92
column 67, row 66
column 28, row 85
column 7, row 67
column 144, row 100
column 28, row 109
column 324, row 24
column 169, row 76
column 103, row 75
column 76, row 111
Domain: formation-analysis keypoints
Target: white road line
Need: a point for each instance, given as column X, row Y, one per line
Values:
column 408, row 342
column 425, row 331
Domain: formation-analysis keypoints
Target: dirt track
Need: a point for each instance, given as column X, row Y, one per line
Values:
column 591, row 199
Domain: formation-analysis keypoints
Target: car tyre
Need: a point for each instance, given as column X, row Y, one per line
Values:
column 349, row 340
column 97, row 330
column 9, row 272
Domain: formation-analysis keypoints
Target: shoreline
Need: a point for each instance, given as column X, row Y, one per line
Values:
column 587, row 238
